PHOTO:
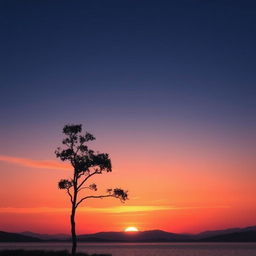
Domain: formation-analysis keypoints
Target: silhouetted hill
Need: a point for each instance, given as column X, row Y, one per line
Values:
column 46, row 236
column 212, row 233
column 243, row 236
column 141, row 236
column 13, row 237
column 247, row 234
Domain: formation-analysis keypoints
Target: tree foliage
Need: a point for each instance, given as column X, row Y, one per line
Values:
column 86, row 163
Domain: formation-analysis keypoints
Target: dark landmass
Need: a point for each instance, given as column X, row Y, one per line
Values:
column 43, row 253
column 13, row 237
column 144, row 236
column 247, row 234
column 213, row 233
column 46, row 236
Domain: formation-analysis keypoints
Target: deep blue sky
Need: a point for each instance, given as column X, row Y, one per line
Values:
column 128, row 64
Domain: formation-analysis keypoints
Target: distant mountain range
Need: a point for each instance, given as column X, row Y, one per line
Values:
column 13, row 237
column 143, row 236
column 247, row 234
column 46, row 236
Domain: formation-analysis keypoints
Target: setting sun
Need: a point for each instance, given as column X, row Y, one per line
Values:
column 131, row 229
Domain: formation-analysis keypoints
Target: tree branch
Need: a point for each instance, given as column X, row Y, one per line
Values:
column 81, row 174
column 83, row 188
column 78, row 148
column 71, row 198
column 87, row 197
column 90, row 175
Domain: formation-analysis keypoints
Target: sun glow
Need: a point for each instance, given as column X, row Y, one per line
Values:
column 131, row 229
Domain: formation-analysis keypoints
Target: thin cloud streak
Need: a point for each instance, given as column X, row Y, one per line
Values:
column 34, row 163
column 146, row 208
column 117, row 209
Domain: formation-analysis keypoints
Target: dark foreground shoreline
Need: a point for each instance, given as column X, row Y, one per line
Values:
column 43, row 253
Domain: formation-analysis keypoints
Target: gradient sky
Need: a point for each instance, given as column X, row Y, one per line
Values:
column 167, row 87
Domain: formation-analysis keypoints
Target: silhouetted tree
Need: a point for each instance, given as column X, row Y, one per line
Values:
column 85, row 163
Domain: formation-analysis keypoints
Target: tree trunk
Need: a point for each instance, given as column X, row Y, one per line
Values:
column 73, row 230
column 73, row 213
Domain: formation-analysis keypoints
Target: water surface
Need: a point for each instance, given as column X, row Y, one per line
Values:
column 147, row 249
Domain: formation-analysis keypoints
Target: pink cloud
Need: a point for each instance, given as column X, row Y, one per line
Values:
column 34, row 163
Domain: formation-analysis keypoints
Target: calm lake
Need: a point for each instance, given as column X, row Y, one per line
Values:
column 147, row 249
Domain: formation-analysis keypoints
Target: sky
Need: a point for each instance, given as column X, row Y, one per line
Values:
column 167, row 88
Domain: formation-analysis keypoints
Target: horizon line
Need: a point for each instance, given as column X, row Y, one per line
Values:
column 122, row 231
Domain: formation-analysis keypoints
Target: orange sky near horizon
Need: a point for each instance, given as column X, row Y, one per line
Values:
column 177, row 185
column 167, row 88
